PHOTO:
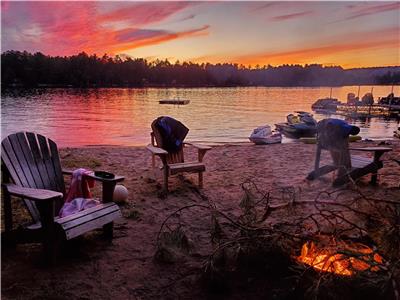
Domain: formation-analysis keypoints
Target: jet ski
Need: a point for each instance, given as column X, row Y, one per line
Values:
column 263, row 135
column 297, row 126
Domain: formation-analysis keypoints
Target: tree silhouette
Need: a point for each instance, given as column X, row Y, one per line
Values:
column 83, row 70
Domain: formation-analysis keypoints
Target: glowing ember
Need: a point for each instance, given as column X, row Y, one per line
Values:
column 340, row 258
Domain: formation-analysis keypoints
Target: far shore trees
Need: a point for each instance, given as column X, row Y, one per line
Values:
column 82, row 70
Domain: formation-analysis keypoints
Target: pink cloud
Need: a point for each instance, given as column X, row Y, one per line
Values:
column 263, row 6
column 291, row 16
column 145, row 13
column 370, row 10
column 4, row 6
column 65, row 28
column 187, row 18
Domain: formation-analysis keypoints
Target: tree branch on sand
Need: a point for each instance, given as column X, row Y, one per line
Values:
column 264, row 239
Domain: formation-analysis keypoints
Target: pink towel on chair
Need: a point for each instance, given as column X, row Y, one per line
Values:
column 80, row 185
column 79, row 196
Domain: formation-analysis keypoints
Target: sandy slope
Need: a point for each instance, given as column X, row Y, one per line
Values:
column 125, row 269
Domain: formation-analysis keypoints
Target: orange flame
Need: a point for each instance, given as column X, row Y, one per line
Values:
column 341, row 258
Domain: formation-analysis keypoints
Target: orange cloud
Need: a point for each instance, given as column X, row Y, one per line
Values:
column 384, row 39
column 158, row 38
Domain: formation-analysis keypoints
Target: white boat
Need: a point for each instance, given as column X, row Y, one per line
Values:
column 263, row 135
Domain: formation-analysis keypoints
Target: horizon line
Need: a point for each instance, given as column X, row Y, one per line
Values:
column 177, row 61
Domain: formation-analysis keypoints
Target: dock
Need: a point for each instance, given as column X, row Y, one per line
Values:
column 174, row 101
column 374, row 110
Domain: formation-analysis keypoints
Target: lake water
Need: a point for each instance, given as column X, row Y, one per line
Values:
column 79, row 117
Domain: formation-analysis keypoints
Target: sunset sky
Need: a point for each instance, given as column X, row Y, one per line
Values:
column 350, row 34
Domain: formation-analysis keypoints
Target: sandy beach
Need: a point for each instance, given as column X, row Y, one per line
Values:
column 91, row 268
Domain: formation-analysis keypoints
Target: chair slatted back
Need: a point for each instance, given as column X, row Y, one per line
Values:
column 32, row 161
column 172, row 158
column 330, row 137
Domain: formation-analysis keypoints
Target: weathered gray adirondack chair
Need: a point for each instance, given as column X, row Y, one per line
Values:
column 174, row 162
column 348, row 166
column 32, row 171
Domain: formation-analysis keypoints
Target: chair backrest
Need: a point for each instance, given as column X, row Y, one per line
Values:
column 32, row 160
column 157, row 140
column 330, row 137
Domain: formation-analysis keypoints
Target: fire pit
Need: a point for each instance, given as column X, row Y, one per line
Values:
column 340, row 257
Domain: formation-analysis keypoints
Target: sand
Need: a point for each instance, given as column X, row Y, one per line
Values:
column 91, row 268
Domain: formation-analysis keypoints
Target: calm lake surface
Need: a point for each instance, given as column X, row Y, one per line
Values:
column 80, row 117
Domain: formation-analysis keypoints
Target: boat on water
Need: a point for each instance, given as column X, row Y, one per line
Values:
column 174, row 101
column 300, row 125
column 389, row 100
column 263, row 135
column 328, row 105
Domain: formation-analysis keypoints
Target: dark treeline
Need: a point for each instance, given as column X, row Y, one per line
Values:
column 33, row 70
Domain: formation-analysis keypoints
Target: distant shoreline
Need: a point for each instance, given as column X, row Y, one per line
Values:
column 49, row 86
column 35, row 70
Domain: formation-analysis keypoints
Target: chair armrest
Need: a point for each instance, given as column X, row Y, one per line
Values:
column 67, row 172
column 373, row 149
column 116, row 178
column 30, row 193
column 101, row 179
column 199, row 146
column 202, row 149
column 156, row 150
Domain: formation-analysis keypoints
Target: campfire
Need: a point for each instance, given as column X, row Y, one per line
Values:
column 340, row 257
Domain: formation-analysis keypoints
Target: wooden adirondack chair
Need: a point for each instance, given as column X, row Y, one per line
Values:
column 173, row 162
column 31, row 162
column 348, row 166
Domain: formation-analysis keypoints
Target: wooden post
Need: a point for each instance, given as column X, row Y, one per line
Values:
column 201, row 154
column 374, row 176
column 317, row 159
column 6, row 200
column 108, row 192
column 49, row 238
column 391, row 97
column 165, row 176
column 7, row 210
column 201, row 180
column 165, row 172
column 153, row 157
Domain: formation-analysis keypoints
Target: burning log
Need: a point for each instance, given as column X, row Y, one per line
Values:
column 341, row 257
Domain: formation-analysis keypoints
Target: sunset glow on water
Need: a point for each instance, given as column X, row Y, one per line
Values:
column 74, row 117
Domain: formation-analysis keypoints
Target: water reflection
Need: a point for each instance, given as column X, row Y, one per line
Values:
column 76, row 117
